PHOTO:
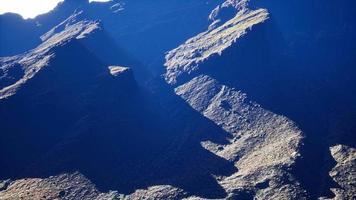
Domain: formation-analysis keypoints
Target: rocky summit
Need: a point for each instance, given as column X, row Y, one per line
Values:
column 168, row 99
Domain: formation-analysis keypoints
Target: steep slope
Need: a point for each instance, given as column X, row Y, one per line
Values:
column 163, row 24
column 187, row 57
column 253, row 103
column 44, row 82
column 77, row 186
column 344, row 172
column 264, row 146
column 158, row 25
column 289, row 67
column 17, row 35
column 102, row 123
column 52, row 188
column 26, row 66
column 51, row 80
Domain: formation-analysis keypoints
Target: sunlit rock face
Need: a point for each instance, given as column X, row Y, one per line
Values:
column 187, row 57
column 52, row 188
column 344, row 171
column 263, row 145
column 101, row 119
column 30, row 63
column 117, row 70
column 54, row 87
column 173, row 99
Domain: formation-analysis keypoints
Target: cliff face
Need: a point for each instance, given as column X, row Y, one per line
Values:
column 288, row 65
column 263, row 161
column 247, row 106
column 187, row 57
column 80, row 109
column 263, row 145
column 17, row 70
column 344, row 171
column 47, row 90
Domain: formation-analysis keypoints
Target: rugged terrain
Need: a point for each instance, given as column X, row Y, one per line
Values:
column 344, row 171
column 178, row 100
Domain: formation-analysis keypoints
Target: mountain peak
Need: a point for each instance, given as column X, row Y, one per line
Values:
column 31, row 62
column 171, row 99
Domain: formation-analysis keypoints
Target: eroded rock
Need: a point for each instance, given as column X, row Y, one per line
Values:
column 344, row 173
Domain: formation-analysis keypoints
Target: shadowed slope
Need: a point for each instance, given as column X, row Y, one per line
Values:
column 102, row 125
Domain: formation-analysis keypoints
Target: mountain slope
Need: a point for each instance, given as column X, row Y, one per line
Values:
column 253, row 95
column 344, row 171
column 254, row 130
column 98, row 116
column 48, row 77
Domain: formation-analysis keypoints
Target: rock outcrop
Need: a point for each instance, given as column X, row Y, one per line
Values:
column 65, row 186
column 102, row 115
column 17, row 70
column 344, row 173
column 52, row 86
column 77, row 186
column 187, row 57
column 263, row 145
column 86, row 114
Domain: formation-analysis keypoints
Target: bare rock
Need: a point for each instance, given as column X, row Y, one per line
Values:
column 33, row 61
column 4, row 184
column 263, row 145
column 187, row 57
column 344, row 173
column 117, row 70
column 65, row 186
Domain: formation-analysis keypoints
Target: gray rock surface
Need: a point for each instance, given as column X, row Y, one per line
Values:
column 263, row 145
column 344, row 173
column 4, row 184
column 77, row 186
column 187, row 57
column 117, row 70
column 17, row 70
column 66, row 186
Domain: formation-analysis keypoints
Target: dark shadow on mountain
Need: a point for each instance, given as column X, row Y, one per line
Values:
column 146, row 29
column 307, row 84
column 75, row 116
column 17, row 35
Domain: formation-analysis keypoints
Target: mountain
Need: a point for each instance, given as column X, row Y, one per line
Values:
column 172, row 99
column 343, row 172
column 56, row 76
column 101, row 118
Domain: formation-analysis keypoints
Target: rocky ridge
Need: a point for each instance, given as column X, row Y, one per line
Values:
column 187, row 57
column 264, row 146
column 117, row 70
column 77, row 186
column 344, row 172
column 17, row 70
column 66, row 186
